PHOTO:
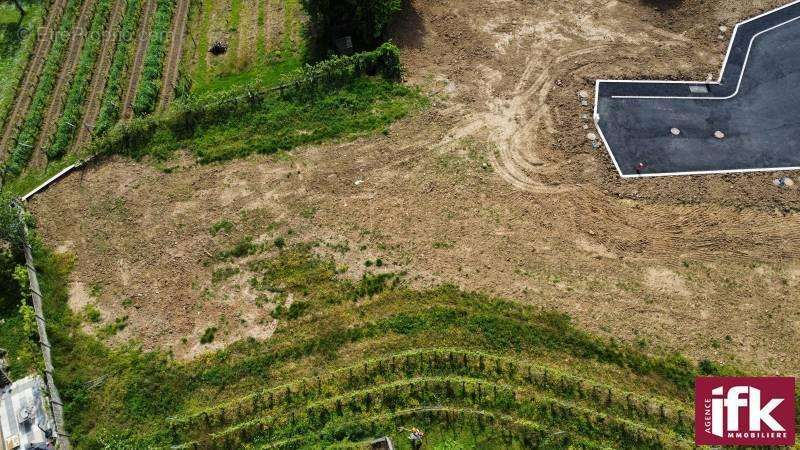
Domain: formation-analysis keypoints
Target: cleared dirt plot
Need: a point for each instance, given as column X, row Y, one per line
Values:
column 312, row 255
column 494, row 187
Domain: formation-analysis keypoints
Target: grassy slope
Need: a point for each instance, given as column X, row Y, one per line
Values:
column 366, row 105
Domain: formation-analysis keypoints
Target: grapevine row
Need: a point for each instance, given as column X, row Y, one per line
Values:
column 112, row 101
column 79, row 88
column 150, row 84
column 451, row 361
column 453, row 391
column 26, row 138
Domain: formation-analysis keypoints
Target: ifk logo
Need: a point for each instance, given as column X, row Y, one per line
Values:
column 745, row 411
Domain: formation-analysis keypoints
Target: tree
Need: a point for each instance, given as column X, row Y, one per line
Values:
column 12, row 230
column 18, row 4
column 365, row 21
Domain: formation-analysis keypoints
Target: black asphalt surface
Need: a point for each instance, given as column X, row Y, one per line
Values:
column 761, row 121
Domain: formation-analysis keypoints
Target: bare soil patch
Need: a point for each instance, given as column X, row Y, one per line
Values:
column 494, row 188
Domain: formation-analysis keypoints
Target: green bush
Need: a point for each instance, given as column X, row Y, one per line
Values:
column 208, row 335
column 12, row 231
column 363, row 20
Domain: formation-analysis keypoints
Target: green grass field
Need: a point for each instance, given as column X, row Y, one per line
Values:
column 363, row 106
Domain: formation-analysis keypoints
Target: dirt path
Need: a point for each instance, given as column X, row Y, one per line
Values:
column 136, row 68
column 267, row 24
column 274, row 24
column 59, row 94
column 174, row 57
column 98, row 86
column 25, row 93
column 248, row 35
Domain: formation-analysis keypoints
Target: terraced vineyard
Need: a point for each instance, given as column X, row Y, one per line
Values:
column 536, row 405
column 356, row 360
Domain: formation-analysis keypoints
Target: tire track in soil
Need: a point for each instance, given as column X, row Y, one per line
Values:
column 136, row 68
column 25, row 94
column 58, row 96
column 174, row 57
column 99, row 78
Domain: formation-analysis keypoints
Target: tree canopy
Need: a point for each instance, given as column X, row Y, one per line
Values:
column 365, row 21
column 12, row 231
column 18, row 4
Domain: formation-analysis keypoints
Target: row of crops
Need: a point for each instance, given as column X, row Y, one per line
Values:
column 75, row 84
column 539, row 400
column 79, row 87
column 150, row 83
column 29, row 132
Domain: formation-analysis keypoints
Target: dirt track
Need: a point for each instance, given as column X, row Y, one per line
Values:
column 494, row 188
column 24, row 94
column 172, row 64
column 59, row 94
column 135, row 69
column 99, row 78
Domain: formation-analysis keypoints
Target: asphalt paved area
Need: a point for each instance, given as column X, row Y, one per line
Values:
column 756, row 105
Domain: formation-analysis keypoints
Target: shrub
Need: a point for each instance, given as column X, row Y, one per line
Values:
column 208, row 335
column 363, row 20
column 12, row 230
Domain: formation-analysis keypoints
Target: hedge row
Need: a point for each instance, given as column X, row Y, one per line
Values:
column 112, row 99
column 79, row 88
column 26, row 139
column 338, row 70
column 150, row 84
